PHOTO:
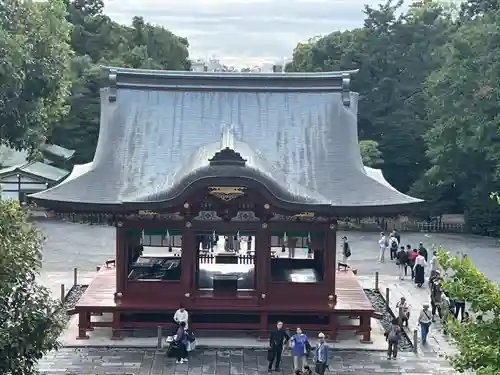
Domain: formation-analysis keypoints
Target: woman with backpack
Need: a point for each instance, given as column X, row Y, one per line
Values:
column 393, row 337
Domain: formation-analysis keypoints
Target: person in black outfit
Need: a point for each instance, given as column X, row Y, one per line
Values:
column 277, row 340
column 423, row 251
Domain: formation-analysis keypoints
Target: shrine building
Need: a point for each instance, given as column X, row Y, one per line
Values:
column 225, row 190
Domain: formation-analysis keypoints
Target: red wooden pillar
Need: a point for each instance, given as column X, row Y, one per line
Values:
column 116, row 333
column 330, row 270
column 188, row 261
column 83, row 325
column 262, row 268
column 330, row 258
column 121, row 258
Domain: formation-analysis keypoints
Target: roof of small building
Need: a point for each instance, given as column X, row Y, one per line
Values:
column 10, row 157
column 296, row 132
column 37, row 169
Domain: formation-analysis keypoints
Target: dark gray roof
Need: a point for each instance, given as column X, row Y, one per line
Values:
column 37, row 169
column 298, row 133
column 58, row 151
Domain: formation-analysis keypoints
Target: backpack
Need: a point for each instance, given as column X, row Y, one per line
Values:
column 402, row 256
column 394, row 334
column 394, row 244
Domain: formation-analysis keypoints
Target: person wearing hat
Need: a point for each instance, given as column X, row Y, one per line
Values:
column 321, row 355
column 424, row 321
column 346, row 250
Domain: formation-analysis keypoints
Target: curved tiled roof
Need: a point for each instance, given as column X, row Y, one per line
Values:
column 297, row 132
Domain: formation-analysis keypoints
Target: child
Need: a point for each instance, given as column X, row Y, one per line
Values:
column 307, row 370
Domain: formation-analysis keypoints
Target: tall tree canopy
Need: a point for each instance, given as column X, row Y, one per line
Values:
column 428, row 96
column 99, row 41
column 34, row 70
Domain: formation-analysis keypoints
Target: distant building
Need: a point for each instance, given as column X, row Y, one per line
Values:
column 20, row 177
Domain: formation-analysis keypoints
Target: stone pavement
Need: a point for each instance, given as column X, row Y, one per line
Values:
column 225, row 362
column 437, row 342
column 71, row 245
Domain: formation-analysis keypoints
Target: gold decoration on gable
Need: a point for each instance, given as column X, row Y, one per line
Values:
column 147, row 212
column 305, row 214
column 227, row 193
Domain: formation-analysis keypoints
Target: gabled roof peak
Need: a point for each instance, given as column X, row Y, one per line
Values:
column 227, row 156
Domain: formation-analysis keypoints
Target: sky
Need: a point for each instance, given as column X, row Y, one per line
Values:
column 243, row 32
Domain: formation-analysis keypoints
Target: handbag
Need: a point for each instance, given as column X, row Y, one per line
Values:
column 191, row 345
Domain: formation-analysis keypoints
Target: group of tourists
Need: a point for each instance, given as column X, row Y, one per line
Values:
column 416, row 260
column 184, row 341
column 301, row 348
column 406, row 257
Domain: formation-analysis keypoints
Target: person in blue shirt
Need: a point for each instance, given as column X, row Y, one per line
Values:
column 321, row 356
column 300, row 349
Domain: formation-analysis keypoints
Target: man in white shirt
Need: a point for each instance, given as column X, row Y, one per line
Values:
column 181, row 315
column 382, row 243
column 434, row 263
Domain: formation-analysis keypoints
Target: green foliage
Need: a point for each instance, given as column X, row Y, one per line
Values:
column 34, row 67
column 429, row 93
column 371, row 155
column 394, row 55
column 99, row 41
column 29, row 320
column 462, row 99
column 477, row 340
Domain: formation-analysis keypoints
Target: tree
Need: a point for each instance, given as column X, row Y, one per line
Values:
column 99, row 41
column 371, row 155
column 30, row 321
column 477, row 340
column 462, row 102
column 394, row 55
column 34, row 66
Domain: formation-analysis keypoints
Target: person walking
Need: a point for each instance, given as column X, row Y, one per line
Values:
column 436, row 299
column 321, row 355
column 402, row 262
column 383, row 244
column 393, row 245
column 277, row 340
column 300, row 349
column 346, row 250
column 393, row 337
column 181, row 340
column 445, row 311
column 423, row 251
column 412, row 254
column 419, row 269
column 403, row 309
column 424, row 321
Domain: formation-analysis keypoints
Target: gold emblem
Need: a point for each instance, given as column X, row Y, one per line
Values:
column 305, row 214
column 227, row 193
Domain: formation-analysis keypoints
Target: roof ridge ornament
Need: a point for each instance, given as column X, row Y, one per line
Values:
column 227, row 156
column 346, row 89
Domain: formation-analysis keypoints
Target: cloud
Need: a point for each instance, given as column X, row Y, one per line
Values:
column 246, row 31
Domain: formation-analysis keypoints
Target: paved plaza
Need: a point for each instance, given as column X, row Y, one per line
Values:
column 236, row 362
column 71, row 245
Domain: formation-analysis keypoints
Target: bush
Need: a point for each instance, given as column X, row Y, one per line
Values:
column 477, row 339
column 30, row 321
